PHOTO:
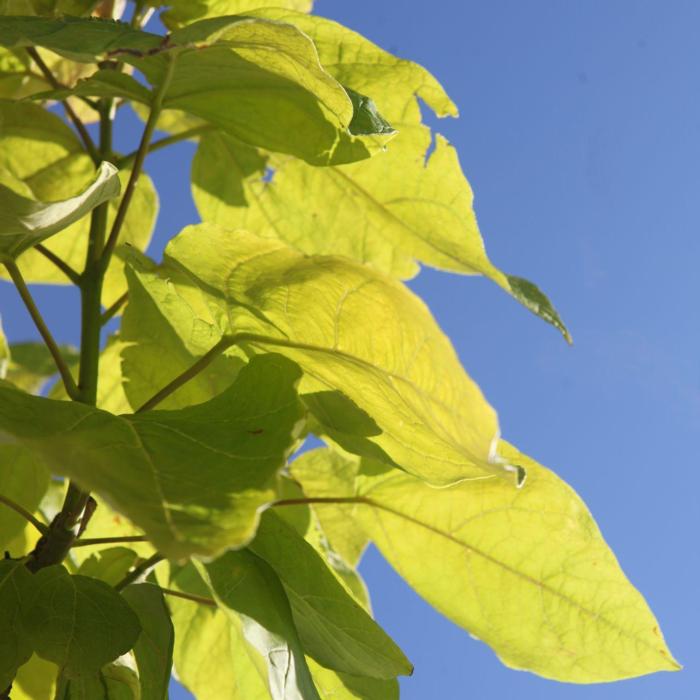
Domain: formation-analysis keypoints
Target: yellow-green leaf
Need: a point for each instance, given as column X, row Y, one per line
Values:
column 31, row 365
column 36, row 680
column 15, row 594
column 525, row 570
column 350, row 328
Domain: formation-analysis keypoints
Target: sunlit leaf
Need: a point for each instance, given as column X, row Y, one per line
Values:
column 154, row 648
column 525, row 570
column 109, row 565
column 351, row 329
column 342, row 686
column 15, row 596
column 247, row 588
column 333, row 628
column 142, row 464
column 32, row 366
column 36, row 680
column 24, row 479
column 77, row 622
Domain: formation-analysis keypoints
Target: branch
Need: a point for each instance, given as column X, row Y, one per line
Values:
column 139, row 571
column 166, row 141
column 190, row 596
column 77, row 122
column 64, row 267
column 90, row 541
column 43, row 529
column 63, row 370
column 188, row 374
column 329, row 499
column 138, row 162
column 107, row 314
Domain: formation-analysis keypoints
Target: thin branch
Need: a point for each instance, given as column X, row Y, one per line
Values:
column 139, row 571
column 113, row 310
column 138, row 162
column 90, row 541
column 64, row 267
column 63, row 370
column 24, row 513
column 190, row 596
column 328, row 500
column 188, row 374
column 166, row 141
column 77, row 122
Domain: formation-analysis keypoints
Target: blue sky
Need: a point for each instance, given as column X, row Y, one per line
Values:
column 580, row 134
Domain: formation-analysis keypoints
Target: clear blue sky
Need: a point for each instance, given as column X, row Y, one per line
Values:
column 580, row 134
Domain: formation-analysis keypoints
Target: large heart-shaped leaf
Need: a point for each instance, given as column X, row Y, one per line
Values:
column 525, row 570
column 351, row 329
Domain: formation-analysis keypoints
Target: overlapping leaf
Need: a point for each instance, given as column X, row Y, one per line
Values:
column 526, row 570
column 15, row 644
column 31, row 365
column 333, row 628
column 143, row 464
column 351, row 329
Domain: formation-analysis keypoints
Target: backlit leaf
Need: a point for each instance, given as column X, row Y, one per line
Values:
column 109, row 565
column 36, row 680
column 32, row 366
column 525, row 570
column 15, row 595
column 342, row 686
column 333, row 628
column 154, row 648
column 143, row 463
column 351, row 329
column 79, row 623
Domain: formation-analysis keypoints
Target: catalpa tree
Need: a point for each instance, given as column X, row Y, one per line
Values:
column 153, row 509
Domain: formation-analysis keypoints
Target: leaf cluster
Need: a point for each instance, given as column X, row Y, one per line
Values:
column 157, row 508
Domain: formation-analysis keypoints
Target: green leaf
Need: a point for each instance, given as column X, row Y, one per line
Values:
column 154, row 649
column 25, row 222
column 182, row 12
column 212, row 658
column 24, row 479
column 15, row 590
column 333, row 628
column 246, row 587
column 282, row 99
column 32, row 366
column 322, row 312
column 342, row 686
column 525, row 570
column 47, row 7
column 113, row 682
column 36, row 680
column 391, row 211
column 109, row 565
column 4, row 352
column 79, row 623
column 142, row 463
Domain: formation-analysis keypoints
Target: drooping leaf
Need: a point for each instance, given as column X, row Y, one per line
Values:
column 32, row 366
column 342, row 686
column 15, row 593
column 182, row 12
column 259, row 79
column 391, row 211
column 212, row 658
column 24, row 479
column 154, row 648
column 24, row 222
column 351, row 329
column 79, row 623
column 109, row 565
column 525, row 570
column 142, row 463
column 333, row 628
column 247, row 588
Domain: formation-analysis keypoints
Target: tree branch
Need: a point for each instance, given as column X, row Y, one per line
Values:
column 166, row 141
column 138, row 162
column 139, row 571
column 77, row 122
column 64, row 267
column 43, row 529
column 25, row 294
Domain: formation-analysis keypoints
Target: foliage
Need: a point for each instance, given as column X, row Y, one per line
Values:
column 180, row 527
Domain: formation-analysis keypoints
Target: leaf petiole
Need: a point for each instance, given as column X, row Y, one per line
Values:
column 43, row 529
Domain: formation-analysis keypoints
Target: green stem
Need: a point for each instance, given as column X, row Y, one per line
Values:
column 138, row 162
column 320, row 500
column 166, row 141
column 202, row 600
column 64, row 267
column 24, row 513
column 107, row 314
column 139, row 571
column 25, row 294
